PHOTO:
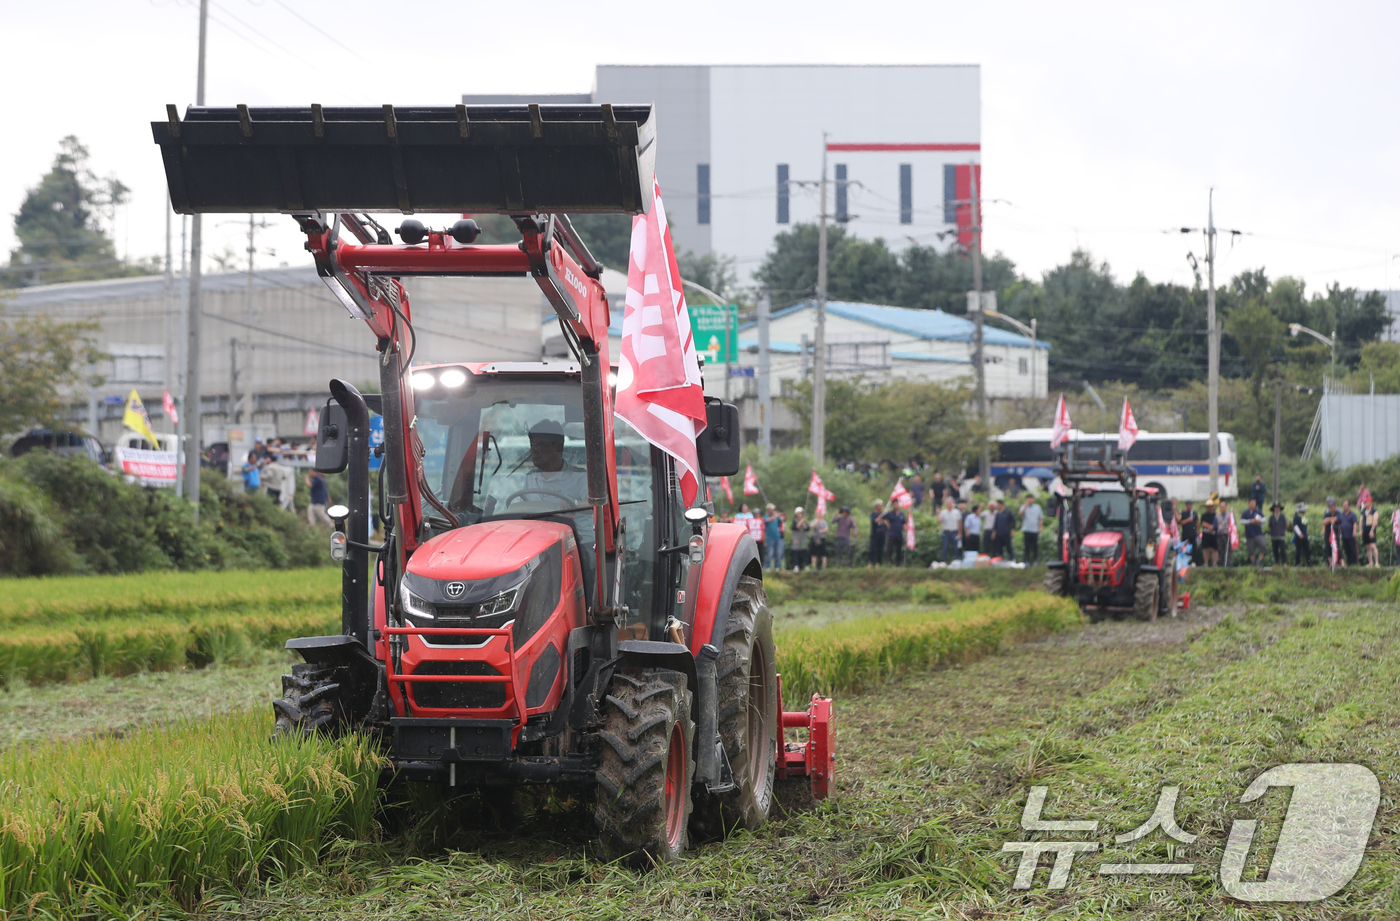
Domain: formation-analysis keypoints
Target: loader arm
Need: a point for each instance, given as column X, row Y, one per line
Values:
column 325, row 166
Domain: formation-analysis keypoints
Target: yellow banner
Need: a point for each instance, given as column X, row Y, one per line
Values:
column 135, row 418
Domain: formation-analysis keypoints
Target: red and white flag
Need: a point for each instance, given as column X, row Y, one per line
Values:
column 168, row 404
column 1060, row 433
column 1395, row 525
column 1334, row 552
column 901, row 496
column 750, row 482
column 724, row 485
column 658, row 373
column 909, row 532
column 313, row 422
column 1234, row 533
column 817, row 488
column 1127, row 428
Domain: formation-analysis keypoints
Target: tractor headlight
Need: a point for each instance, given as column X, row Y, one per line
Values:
column 412, row 605
column 503, row 603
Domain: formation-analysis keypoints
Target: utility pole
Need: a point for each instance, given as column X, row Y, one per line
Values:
column 1278, row 431
column 1212, row 351
column 985, row 464
column 168, row 372
column 251, row 316
column 182, row 427
column 194, row 426
column 765, row 394
column 819, row 346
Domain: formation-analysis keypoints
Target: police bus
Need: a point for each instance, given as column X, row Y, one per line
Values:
column 1177, row 463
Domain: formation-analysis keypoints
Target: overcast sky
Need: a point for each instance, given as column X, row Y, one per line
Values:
column 1103, row 124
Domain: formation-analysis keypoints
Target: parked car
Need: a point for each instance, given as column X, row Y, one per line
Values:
column 67, row 443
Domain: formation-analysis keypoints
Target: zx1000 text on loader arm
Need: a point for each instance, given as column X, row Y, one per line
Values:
column 543, row 608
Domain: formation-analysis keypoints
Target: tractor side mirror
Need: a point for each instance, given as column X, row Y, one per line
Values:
column 332, row 440
column 718, row 446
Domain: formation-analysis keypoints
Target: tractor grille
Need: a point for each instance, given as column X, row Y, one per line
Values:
column 453, row 695
column 1101, row 567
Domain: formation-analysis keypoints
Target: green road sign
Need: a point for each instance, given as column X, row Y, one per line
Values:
column 707, row 322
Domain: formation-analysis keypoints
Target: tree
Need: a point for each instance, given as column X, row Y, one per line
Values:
column 60, row 223
column 40, row 358
column 711, row 270
column 868, row 271
column 1259, row 340
column 893, row 421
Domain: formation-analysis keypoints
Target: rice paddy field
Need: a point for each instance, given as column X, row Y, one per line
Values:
column 159, row 794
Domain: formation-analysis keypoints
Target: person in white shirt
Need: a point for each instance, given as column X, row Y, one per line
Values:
column 556, row 479
column 1031, row 518
column 949, row 520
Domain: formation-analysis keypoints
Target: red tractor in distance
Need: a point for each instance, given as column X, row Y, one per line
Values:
column 543, row 607
column 1114, row 548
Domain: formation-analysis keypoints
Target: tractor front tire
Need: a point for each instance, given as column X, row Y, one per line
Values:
column 1145, row 594
column 1169, row 590
column 642, row 801
column 1055, row 581
column 748, row 718
column 312, row 701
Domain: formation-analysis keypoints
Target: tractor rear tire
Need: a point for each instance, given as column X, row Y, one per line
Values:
column 1145, row 594
column 312, row 701
column 749, row 716
column 1055, row 581
column 642, row 801
column 1169, row 588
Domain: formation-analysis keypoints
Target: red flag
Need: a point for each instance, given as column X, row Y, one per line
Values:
column 750, row 482
column 1060, row 433
column 728, row 493
column 168, row 404
column 821, row 505
column 909, row 532
column 1395, row 525
column 658, row 374
column 901, row 496
column 313, row 422
column 1234, row 533
column 1127, row 427
column 817, row 488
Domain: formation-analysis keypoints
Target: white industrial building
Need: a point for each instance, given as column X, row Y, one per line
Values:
column 738, row 147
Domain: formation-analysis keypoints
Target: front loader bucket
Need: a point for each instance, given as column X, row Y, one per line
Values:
column 506, row 159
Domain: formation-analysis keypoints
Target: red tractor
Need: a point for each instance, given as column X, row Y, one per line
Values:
column 1115, row 549
column 543, row 607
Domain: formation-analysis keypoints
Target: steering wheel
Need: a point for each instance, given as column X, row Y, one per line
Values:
column 567, row 500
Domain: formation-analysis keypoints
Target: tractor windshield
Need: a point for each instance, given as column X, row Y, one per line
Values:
column 1104, row 511
column 500, row 446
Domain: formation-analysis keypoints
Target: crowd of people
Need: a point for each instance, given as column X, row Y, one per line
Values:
column 265, row 470
column 1215, row 535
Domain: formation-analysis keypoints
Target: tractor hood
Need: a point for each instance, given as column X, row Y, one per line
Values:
column 487, row 558
column 1102, row 543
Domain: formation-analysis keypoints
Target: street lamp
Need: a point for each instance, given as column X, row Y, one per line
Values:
column 1029, row 331
column 1329, row 341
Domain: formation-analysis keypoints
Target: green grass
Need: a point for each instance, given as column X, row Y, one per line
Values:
column 853, row 655
column 75, row 628
column 1272, row 586
column 172, row 817
column 66, row 599
column 896, row 585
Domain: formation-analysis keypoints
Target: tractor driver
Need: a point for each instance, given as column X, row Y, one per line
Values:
column 552, row 473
